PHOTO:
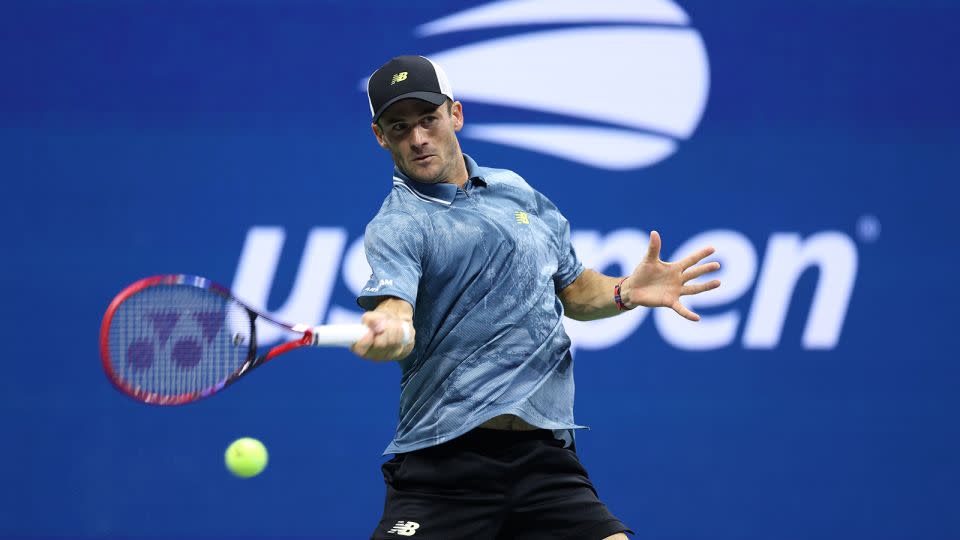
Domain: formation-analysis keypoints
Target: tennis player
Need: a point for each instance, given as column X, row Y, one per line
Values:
column 473, row 271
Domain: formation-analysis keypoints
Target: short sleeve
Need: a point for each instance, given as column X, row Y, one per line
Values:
column 569, row 266
column 394, row 244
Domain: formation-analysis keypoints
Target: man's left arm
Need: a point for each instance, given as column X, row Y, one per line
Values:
column 653, row 283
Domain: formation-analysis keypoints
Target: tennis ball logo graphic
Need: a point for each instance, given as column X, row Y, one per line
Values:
column 635, row 89
column 246, row 457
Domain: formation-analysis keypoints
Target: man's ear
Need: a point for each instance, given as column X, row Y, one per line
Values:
column 456, row 112
column 378, row 133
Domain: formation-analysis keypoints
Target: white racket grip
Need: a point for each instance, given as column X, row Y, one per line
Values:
column 337, row 335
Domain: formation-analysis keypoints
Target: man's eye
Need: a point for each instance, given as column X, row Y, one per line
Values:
column 428, row 120
column 399, row 127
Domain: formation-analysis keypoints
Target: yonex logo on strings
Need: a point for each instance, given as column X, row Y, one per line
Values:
column 772, row 278
column 185, row 352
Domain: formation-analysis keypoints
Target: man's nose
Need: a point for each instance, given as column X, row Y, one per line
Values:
column 418, row 137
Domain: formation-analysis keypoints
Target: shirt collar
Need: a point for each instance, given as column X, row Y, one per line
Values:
column 473, row 171
column 441, row 193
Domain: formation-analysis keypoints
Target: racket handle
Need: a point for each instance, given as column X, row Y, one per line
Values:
column 337, row 335
column 343, row 335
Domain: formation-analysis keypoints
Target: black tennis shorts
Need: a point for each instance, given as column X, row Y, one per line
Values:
column 495, row 485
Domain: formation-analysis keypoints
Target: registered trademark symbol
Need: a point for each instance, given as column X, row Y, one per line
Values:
column 868, row 228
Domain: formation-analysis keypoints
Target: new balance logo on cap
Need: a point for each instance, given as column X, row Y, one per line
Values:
column 405, row 528
column 421, row 78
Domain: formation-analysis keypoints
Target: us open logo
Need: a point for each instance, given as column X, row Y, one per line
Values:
column 621, row 82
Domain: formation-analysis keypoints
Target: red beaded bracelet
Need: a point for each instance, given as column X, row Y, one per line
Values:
column 616, row 297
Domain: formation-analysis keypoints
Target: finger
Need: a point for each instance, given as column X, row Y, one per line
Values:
column 685, row 313
column 377, row 354
column 695, row 272
column 398, row 351
column 389, row 344
column 383, row 341
column 393, row 332
column 381, row 326
column 372, row 319
column 364, row 342
column 653, row 249
column 362, row 346
column 694, row 258
column 698, row 288
column 391, row 352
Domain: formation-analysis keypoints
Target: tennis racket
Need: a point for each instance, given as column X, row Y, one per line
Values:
column 174, row 339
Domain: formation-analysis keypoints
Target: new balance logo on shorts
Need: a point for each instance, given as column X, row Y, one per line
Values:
column 405, row 528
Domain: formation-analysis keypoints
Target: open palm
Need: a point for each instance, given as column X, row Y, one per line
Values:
column 656, row 283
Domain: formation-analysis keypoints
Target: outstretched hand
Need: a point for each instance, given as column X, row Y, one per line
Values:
column 655, row 283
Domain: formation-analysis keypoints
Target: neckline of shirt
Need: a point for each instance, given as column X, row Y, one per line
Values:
column 440, row 193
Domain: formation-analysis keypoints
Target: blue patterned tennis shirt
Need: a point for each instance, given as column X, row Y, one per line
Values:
column 481, row 266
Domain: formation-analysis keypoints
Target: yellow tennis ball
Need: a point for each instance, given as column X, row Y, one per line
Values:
column 246, row 457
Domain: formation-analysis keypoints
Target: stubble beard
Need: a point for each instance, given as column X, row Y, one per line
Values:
column 445, row 171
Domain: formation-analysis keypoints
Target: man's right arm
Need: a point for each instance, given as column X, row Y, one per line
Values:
column 391, row 336
column 394, row 244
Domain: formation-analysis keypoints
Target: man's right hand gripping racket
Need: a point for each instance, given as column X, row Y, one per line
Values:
column 170, row 340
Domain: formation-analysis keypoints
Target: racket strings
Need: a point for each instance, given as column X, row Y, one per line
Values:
column 172, row 340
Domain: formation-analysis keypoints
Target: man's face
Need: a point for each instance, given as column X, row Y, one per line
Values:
column 422, row 138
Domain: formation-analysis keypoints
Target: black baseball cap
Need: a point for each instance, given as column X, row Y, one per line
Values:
column 406, row 77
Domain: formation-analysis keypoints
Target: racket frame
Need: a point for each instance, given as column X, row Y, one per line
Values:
column 253, row 360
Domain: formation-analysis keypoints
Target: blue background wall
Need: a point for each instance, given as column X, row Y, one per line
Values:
column 139, row 138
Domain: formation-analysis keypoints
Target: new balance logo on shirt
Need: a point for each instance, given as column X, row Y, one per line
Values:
column 405, row 528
